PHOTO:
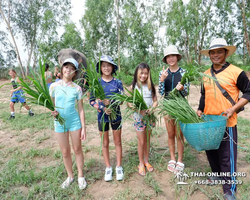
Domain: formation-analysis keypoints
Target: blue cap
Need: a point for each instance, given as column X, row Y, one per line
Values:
column 72, row 61
column 106, row 59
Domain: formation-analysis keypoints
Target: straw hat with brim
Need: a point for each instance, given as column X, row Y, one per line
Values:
column 106, row 59
column 72, row 61
column 171, row 50
column 219, row 43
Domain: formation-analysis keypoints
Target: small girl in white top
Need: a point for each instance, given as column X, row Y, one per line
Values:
column 143, row 83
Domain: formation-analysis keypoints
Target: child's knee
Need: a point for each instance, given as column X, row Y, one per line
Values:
column 77, row 150
column 65, row 152
column 117, row 142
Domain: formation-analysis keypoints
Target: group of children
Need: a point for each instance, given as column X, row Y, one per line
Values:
column 65, row 93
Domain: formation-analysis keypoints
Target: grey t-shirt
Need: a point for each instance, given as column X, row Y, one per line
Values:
column 147, row 96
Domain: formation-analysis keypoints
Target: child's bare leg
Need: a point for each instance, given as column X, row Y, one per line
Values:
column 12, row 108
column 26, row 106
column 180, row 145
column 146, row 146
column 63, row 140
column 171, row 136
column 141, row 143
column 118, row 146
column 77, row 146
column 105, row 147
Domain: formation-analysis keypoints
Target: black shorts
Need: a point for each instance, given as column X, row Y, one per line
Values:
column 114, row 126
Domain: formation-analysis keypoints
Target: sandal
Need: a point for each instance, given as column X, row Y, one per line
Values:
column 142, row 171
column 179, row 167
column 171, row 165
column 149, row 167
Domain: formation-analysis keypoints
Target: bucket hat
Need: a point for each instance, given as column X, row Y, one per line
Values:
column 172, row 49
column 217, row 44
column 72, row 61
column 106, row 59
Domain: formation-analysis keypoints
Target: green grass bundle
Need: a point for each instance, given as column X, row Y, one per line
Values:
column 95, row 87
column 192, row 74
column 136, row 99
column 180, row 110
column 39, row 91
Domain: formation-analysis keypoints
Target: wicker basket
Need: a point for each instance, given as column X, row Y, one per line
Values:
column 207, row 135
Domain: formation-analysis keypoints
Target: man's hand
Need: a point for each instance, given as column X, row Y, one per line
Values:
column 199, row 113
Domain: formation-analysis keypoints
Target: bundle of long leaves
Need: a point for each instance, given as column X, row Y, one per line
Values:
column 136, row 99
column 38, row 90
column 179, row 108
column 95, row 87
column 192, row 74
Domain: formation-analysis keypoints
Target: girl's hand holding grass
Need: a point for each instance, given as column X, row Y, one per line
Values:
column 54, row 113
column 106, row 102
column 149, row 111
column 143, row 112
column 107, row 111
column 179, row 86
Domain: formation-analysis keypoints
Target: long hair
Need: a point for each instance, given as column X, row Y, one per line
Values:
column 136, row 79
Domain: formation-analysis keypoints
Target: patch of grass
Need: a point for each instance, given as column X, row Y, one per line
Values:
column 248, row 158
column 90, row 114
column 32, row 153
column 129, row 194
column 189, row 158
column 20, row 172
column 24, row 121
column 243, row 134
column 42, row 138
column 149, row 180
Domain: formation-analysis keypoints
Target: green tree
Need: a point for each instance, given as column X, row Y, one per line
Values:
column 99, row 28
column 188, row 26
column 34, row 21
column 70, row 39
column 6, row 10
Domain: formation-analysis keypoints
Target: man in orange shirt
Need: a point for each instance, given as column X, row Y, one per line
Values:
column 212, row 102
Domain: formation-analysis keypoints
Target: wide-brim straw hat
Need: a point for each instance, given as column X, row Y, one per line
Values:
column 219, row 43
column 171, row 50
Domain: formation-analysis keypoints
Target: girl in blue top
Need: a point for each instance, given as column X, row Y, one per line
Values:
column 143, row 83
column 110, row 85
column 65, row 94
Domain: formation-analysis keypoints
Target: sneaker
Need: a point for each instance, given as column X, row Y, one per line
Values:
column 108, row 174
column 119, row 173
column 31, row 114
column 11, row 117
column 67, row 182
column 82, row 183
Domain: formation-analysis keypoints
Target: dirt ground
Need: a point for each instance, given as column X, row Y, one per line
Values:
column 101, row 189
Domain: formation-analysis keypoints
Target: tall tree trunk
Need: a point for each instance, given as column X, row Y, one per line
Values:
column 242, row 8
column 12, row 36
column 118, row 33
column 30, row 53
column 204, row 31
